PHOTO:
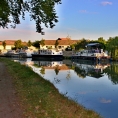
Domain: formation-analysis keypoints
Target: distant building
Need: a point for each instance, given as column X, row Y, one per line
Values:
column 63, row 43
column 9, row 44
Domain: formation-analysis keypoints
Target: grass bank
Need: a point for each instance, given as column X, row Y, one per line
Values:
column 40, row 98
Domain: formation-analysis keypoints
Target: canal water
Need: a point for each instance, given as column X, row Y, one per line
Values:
column 93, row 85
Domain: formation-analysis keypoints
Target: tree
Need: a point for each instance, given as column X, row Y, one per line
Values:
column 18, row 44
column 69, row 40
column 101, row 40
column 29, row 43
column 36, row 44
column 81, row 44
column 112, row 46
column 4, row 44
column 56, row 43
column 41, row 11
column 42, row 42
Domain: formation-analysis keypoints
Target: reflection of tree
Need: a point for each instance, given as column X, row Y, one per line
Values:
column 68, row 75
column 88, row 72
column 80, row 73
column 56, row 80
column 57, row 69
column 112, row 72
column 42, row 71
column 96, row 73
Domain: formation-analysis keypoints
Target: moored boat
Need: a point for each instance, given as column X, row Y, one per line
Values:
column 26, row 53
column 48, row 54
column 93, row 51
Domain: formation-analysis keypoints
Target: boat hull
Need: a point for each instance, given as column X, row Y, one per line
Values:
column 90, row 58
column 47, row 57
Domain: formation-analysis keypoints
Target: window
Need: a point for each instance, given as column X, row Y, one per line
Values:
column 59, row 47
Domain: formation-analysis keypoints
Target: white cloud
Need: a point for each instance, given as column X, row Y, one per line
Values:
column 105, row 101
column 88, row 12
column 83, row 11
column 104, row 3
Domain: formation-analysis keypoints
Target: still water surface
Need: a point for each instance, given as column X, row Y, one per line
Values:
column 95, row 86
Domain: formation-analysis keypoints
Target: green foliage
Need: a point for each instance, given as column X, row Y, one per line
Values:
column 29, row 44
column 101, row 40
column 18, row 44
column 112, row 46
column 41, row 11
column 56, row 43
column 36, row 44
column 42, row 42
column 4, row 44
column 81, row 44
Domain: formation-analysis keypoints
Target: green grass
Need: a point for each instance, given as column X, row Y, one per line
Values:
column 40, row 98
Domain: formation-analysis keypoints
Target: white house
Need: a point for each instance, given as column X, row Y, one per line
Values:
column 63, row 43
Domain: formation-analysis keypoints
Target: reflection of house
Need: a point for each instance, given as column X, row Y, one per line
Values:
column 63, row 43
column 52, row 65
column 62, row 67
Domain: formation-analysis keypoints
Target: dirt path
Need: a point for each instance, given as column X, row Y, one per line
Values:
column 9, row 103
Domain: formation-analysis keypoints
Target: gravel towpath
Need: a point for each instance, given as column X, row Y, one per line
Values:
column 9, row 101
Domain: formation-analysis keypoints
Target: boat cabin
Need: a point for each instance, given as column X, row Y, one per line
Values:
column 50, row 52
column 94, row 47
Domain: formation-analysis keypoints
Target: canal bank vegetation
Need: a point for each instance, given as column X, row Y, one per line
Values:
column 40, row 98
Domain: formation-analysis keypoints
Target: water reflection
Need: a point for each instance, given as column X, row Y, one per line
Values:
column 98, row 89
column 84, row 69
column 112, row 72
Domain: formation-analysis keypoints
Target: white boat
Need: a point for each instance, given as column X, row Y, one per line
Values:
column 92, row 51
column 48, row 54
column 12, row 53
column 26, row 52
column 20, row 53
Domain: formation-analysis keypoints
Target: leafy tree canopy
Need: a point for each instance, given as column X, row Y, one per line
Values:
column 36, row 44
column 56, row 43
column 41, row 11
column 29, row 44
column 4, row 44
column 18, row 44
column 81, row 44
column 42, row 42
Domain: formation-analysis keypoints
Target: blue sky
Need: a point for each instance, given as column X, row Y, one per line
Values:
column 89, row 19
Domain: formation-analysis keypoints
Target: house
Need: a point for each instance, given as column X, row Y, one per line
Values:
column 62, row 43
column 9, row 44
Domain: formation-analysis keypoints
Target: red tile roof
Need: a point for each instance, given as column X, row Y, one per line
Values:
column 62, row 38
column 61, row 42
column 11, row 42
